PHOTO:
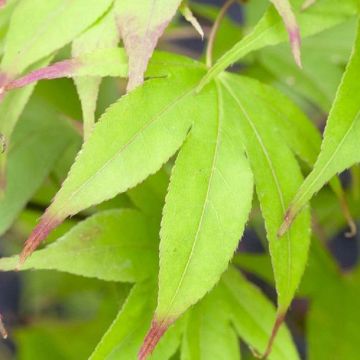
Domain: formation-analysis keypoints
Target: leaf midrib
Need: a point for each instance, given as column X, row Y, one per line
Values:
column 205, row 204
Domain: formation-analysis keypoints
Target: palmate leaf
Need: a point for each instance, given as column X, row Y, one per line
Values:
column 211, row 191
column 39, row 28
column 275, row 187
column 104, row 34
column 105, row 246
column 141, row 24
column 270, row 30
column 339, row 148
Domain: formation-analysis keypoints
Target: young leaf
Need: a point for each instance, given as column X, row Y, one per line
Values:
column 284, row 9
column 269, row 31
column 339, row 149
column 210, row 193
column 38, row 28
column 252, row 315
column 102, row 35
column 34, row 149
column 141, row 24
column 105, row 246
column 272, row 162
column 208, row 333
column 136, row 130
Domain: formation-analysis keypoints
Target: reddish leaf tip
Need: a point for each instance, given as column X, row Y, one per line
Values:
column 41, row 231
column 295, row 41
column 278, row 322
column 157, row 330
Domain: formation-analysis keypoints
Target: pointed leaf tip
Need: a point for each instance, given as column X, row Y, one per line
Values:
column 278, row 322
column 157, row 330
column 41, row 231
column 284, row 9
column 295, row 42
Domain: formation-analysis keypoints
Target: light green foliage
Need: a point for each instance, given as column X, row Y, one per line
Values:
column 104, row 34
column 270, row 30
column 34, row 149
column 267, row 153
column 141, row 24
column 38, row 28
column 105, row 246
column 177, row 158
column 339, row 148
column 211, row 192
column 125, row 133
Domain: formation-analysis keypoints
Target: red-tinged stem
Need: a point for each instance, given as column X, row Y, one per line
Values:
column 278, row 322
column 154, row 335
column 2, row 3
column 61, row 69
column 41, row 231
